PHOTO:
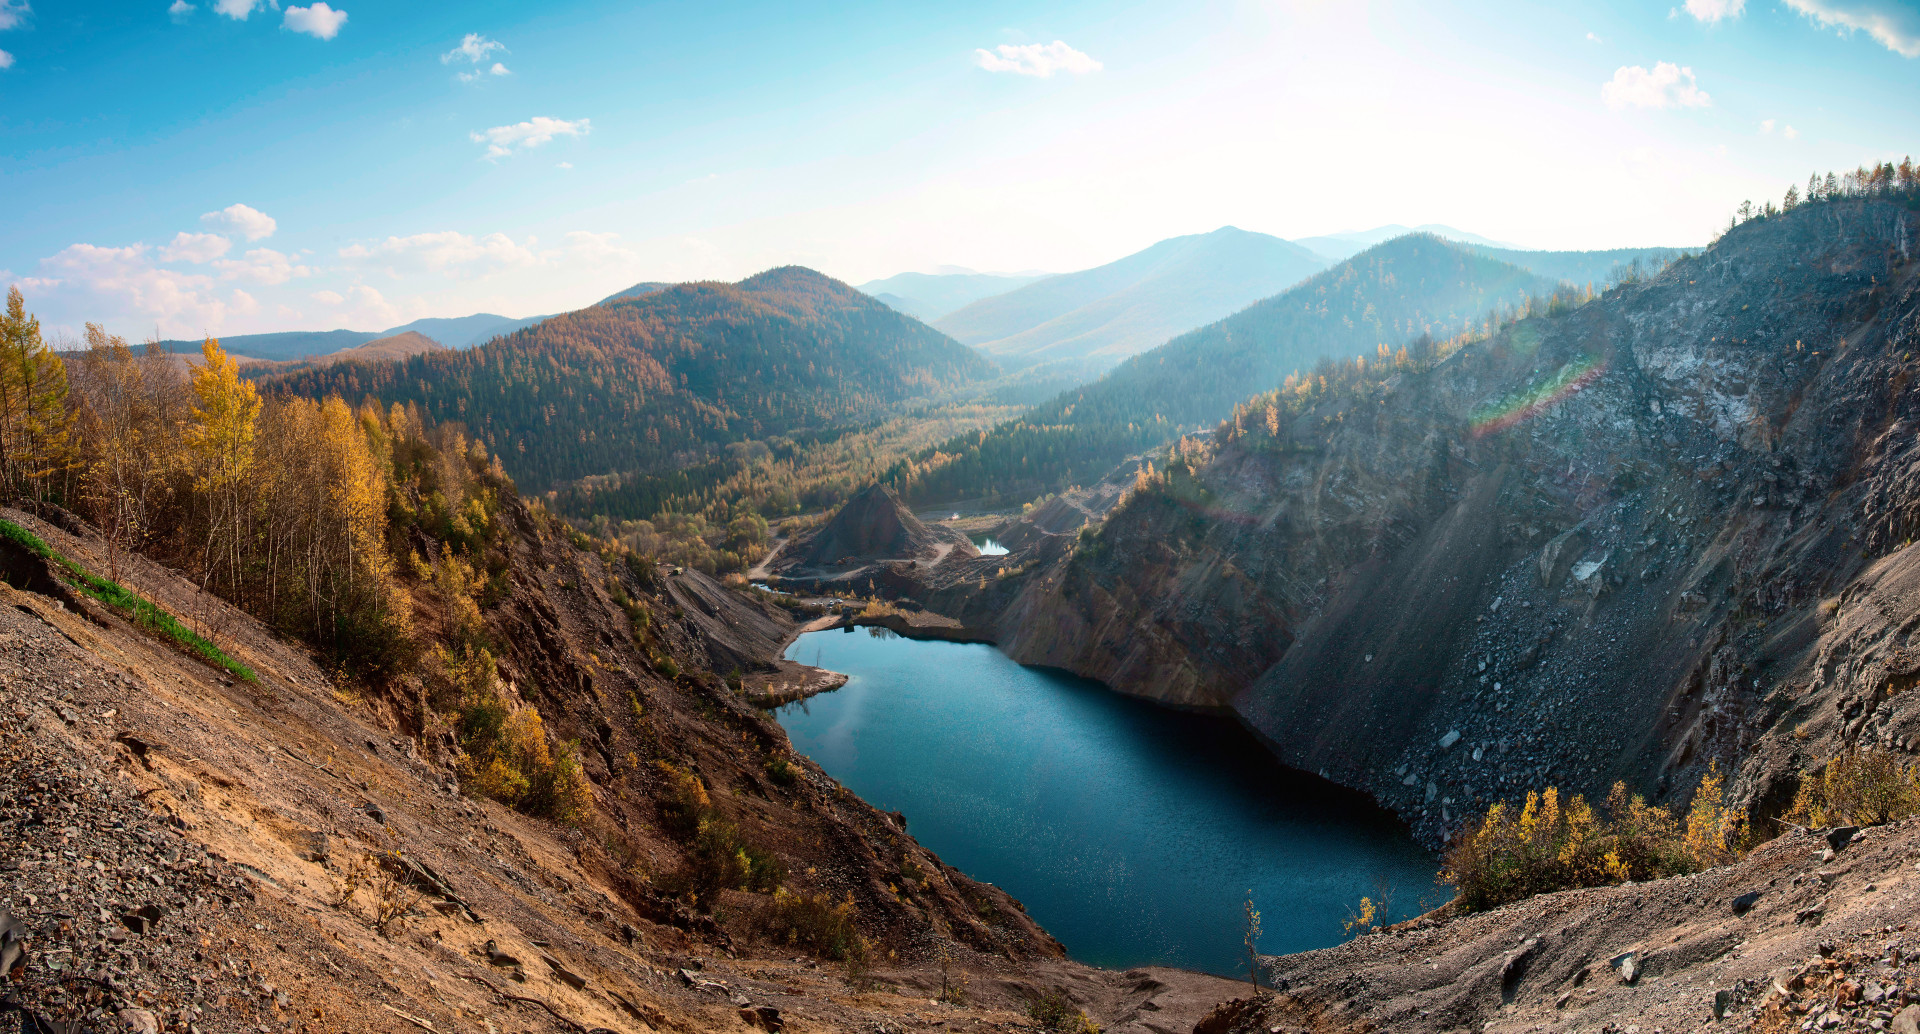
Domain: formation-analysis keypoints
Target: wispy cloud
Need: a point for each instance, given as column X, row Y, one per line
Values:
column 180, row 11
column 249, row 222
column 476, row 75
column 1896, row 25
column 473, row 49
column 1667, row 86
column 504, row 140
column 12, row 13
column 1711, row 11
column 1036, row 59
column 450, row 252
column 318, row 21
column 1594, row 38
column 262, row 266
column 194, row 247
column 239, row 9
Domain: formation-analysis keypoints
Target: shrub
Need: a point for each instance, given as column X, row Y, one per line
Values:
column 1858, row 788
column 503, row 749
column 1053, row 1010
column 719, row 859
column 782, row 772
column 818, row 923
column 1552, row 846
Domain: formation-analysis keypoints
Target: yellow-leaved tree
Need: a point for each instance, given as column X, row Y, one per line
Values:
column 34, row 418
column 219, row 442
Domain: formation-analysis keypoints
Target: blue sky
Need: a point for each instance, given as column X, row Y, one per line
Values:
column 309, row 166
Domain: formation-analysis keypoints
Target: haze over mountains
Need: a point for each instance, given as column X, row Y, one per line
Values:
column 1387, row 296
column 451, row 332
column 1109, row 312
column 929, row 296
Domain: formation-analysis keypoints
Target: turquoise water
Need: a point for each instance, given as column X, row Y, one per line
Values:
column 1131, row 832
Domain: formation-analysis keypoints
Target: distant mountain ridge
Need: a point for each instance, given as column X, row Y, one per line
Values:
column 1105, row 314
column 283, row 346
column 1335, row 247
column 1388, row 295
column 929, row 296
column 654, row 382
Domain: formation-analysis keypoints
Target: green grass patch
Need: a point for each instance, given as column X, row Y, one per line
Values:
column 119, row 597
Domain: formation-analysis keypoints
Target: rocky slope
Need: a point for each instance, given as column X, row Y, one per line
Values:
column 187, row 851
column 1794, row 937
column 1666, row 528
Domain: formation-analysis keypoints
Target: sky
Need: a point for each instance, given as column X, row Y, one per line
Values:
column 182, row 167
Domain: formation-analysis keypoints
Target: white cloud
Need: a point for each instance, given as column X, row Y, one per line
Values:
column 180, row 10
column 498, row 69
column 6, row 59
column 1040, row 59
column 262, row 266
column 239, row 9
column 599, row 249
column 452, row 253
column 124, row 283
column 474, row 48
column 1711, row 11
column 318, row 21
column 250, row 223
column 1591, row 38
column 194, row 247
column 13, row 12
column 563, row 165
column 501, row 140
column 1667, row 86
column 1790, row 133
column 1766, row 126
column 1894, row 24
column 361, row 305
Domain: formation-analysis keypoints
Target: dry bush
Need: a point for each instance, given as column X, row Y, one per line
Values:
column 1858, row 788
column 819, row 924
column 503, row 749
column 1053, row 1010
column 1553, row 846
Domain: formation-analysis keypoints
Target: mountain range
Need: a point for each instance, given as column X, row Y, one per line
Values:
column 451, row 332
column 664, row 379
column 929, row 296
column 1104, row 314
column 1392, row 294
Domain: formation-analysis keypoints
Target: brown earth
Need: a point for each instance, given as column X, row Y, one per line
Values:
column 1826, row 939
column 138, row 775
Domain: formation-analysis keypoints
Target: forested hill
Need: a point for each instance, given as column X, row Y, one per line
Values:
column 1388, row 295
column 659, row 380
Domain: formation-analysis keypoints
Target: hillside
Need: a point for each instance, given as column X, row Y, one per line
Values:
column 658, row 381
column 291, row 346
column 929, row 296
column 1598, row 269
column 1624, row 540
column 1102, row 315
column 1337, row 247
column 1409, row 288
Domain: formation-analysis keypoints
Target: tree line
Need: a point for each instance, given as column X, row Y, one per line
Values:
column 301, row 511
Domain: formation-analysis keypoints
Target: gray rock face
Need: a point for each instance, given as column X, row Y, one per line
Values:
column 1596, row 471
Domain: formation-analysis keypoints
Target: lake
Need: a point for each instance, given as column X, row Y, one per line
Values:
column 1131, row 832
